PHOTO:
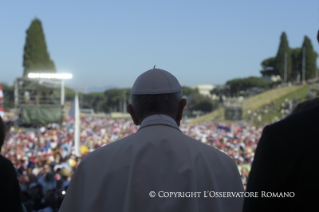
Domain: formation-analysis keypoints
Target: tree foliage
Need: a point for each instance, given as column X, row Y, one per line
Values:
column 36, row 57
column 280, row 57
column 220, row 91
column 269, row 63
column 242, row 84
column 93, row 101
column 188, row 91
column 310, row 58
column 69, row 93
column 198, row 102
column 269, row 67
column 8, row 96
column 296, row 61
column 114, row 99
column 275, row 65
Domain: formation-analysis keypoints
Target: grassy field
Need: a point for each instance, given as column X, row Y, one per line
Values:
column 277, row 95
column 262, row 99
column 218, row 114
column 300, row 94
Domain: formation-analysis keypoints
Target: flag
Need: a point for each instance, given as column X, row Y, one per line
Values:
column 75, row 115
column 1, row 103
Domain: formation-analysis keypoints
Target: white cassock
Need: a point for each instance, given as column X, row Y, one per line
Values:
column 119, row 177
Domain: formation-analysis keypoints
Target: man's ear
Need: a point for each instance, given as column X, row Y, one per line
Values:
column 181, row 107
column 130, row 110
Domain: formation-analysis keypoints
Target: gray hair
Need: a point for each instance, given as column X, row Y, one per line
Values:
column 147, row 104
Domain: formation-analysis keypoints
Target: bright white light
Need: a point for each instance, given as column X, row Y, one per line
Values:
column 63, row 192
column 50, row 76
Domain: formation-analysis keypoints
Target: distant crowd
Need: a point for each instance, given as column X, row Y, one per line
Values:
column 283, row 109
column 45, row 158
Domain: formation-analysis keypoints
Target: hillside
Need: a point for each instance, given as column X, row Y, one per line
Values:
column 253, row 103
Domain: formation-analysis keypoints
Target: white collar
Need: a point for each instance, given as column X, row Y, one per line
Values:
column 159, row 116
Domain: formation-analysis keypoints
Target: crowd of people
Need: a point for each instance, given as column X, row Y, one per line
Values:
column 45, row 159
column 284, row 108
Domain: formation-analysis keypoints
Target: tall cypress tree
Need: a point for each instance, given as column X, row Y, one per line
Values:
column 310, row 60
column 36, row 57
column 280, row 57
column 296, row 61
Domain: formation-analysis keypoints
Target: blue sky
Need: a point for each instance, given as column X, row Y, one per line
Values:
column 109, row 43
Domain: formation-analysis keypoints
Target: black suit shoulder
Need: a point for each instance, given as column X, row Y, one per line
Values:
column 297, row 131
column 303, row 119
column 286, row 160
column 10, row 198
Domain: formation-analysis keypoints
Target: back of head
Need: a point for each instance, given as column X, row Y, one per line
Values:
column 305, row 105
column 149, row 104
column 156, row 91
column 2, row 133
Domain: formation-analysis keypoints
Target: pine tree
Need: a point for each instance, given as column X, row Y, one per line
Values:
column 296, row 60
column 310, row 60
column 280, row 57
column 36, row 57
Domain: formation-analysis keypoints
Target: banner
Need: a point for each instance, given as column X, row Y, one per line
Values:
column 41, row 115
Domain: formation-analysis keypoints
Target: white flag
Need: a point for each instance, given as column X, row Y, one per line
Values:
column 75, row 114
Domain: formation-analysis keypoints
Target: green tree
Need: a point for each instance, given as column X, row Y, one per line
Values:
column 188, row 91
column 8, row 94
column 280, row 57
column 296, row 59
column 114, row 98
column 94, row 101
column 269, row 63
column 69, row 94
column 269, row 67
column 220, row 91
column 202, row 103
column 311, row 57
column 242, row 84
column 36, row 57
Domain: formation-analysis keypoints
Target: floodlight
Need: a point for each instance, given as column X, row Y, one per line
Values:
column 50, row 76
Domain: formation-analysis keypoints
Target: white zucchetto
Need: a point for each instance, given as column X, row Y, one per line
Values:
column 155, row 81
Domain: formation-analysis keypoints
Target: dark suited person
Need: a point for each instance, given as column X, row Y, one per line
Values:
column 305, row 105
column 10, row 198
column 287, row 160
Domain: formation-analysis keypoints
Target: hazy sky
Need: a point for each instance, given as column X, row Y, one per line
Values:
column 105, row 43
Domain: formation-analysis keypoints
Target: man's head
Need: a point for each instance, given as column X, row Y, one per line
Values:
column 156, row 92
column 47, row 168
column 34, row 189
column 305, row 105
